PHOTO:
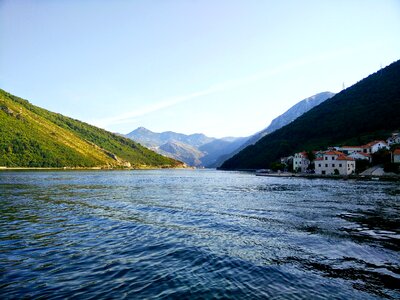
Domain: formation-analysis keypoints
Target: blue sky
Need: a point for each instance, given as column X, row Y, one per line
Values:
column 223, row 68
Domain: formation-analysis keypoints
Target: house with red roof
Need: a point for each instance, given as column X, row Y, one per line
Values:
column 335, row 162
column 374, row 146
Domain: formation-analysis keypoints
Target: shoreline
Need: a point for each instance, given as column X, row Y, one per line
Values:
column 336, row 177
column 83, row 169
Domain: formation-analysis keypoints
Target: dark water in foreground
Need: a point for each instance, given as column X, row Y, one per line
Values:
column 196, row 234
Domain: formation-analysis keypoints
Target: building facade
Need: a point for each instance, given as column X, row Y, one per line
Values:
column 335, row 163
column 300, row 162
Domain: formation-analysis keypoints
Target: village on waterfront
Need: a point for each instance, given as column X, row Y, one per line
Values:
column 376, row 159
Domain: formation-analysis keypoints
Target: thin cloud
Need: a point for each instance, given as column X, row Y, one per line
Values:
column 148, row 109
column 129, row 117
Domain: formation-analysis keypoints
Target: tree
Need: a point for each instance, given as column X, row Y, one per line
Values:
column 381, row 157
column 362, row 165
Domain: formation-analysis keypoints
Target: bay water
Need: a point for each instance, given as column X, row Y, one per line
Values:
column 196, row 234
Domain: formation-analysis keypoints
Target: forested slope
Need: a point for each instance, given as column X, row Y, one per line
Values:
column 34, row 137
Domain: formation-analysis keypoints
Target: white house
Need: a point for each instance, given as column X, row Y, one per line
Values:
column 335, row 162
column 374, row 146
column 300, row 162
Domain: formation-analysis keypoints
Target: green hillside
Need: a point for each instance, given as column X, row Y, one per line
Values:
column 367, row 110
column 34, row 137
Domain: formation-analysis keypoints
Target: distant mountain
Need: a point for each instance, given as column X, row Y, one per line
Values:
column 195, row 149
column 153, row 139
column 296, row 111
column 183, row 152
column 287, row 117
column 31, row 136
column 202, row 151
column 219, row 148
column 367, row 110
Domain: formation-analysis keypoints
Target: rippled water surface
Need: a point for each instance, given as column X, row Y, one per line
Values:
column 196, row 234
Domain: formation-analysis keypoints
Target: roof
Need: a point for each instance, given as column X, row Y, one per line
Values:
column 333, row 153
column 355, row 147
column 344, row 157
column 303, row 154
column 373, row 143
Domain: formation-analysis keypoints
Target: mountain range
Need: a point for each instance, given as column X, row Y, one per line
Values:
column 368, row 110
column 287, row 117
column 31, row 136
column 196, row 150
column 201, row 151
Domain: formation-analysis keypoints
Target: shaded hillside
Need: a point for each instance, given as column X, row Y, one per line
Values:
column 182, row 152
column 367, row 110
column 214, row 150
column 34, row 137
column 287, row 117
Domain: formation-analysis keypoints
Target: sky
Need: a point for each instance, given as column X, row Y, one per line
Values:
column 222, row 68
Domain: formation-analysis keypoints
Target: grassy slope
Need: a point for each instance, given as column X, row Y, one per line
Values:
column 34, row 137
column 368, row 110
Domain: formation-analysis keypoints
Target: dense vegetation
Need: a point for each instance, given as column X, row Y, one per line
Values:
column 34, row 137
column 366, row 111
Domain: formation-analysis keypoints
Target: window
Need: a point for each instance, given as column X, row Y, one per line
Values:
column 333, row 165
column 326, row 158
column 326, row 165
column 319, row 165
column 340, row 165
column 333, row 157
